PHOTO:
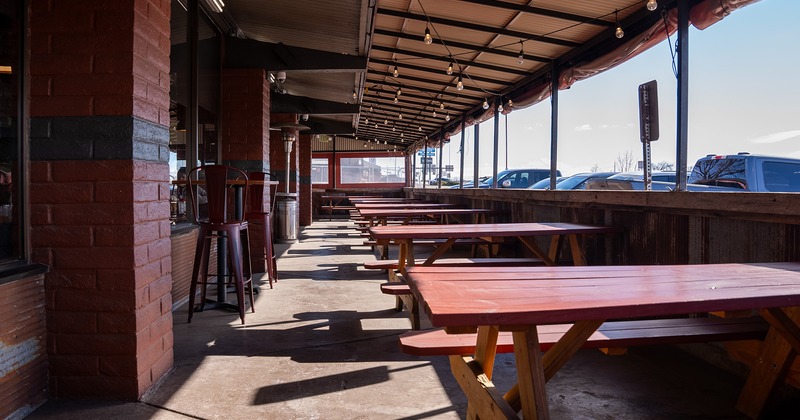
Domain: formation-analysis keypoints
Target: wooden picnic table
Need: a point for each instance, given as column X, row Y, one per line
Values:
column 490, row 232
column 521, row 299
column 338, row 201
column 380, row 216
column 388, row 200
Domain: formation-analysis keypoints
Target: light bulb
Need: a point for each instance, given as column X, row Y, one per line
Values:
column 401, row 135
column 395, row 73
column 419, row 128
column 434, row 114
column 521, row 56
column 386, row 122
column 619, row 33
column 460, row 84
column 652, row 5
column 366, row 121
column 392, row 128
column 385, row 142
column 485, row 104
column 400, row 116
column 450, row 69
column 370, row 108
column 355, row 95
column 376, row 125
column 441, row 105
column 399, row 91
column 395, row 99
column 428, row 39
column 500, row 108
column 447, row 117
column 510, row 104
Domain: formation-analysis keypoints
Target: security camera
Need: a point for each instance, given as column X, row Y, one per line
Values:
column 305, row 117
column 281, row 76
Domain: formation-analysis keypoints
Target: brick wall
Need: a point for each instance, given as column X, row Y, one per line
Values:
column 99, row 192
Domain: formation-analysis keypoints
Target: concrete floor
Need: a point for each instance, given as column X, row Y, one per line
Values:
column 323, row 345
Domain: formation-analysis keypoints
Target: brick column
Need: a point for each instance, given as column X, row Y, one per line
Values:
column 244, row 125
column 304, row 163
column 245, row 119
column 99, row 192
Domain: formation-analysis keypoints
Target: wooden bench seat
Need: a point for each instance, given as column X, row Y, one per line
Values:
column 456, row 262
column 437, row 342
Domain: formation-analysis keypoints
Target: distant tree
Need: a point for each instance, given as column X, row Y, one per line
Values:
column 595, row 168
column 624, row 163
column 664, row 166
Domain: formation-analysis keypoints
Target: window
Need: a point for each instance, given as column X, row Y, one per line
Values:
column 372, row 170
column 320, row 168
column 782, row 176
column 11, row 75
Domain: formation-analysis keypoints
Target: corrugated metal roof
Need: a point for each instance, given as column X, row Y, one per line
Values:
column 481, row 38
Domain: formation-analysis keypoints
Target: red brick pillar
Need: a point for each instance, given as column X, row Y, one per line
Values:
column 99, row 192
column 304, row 162
column 244, row 125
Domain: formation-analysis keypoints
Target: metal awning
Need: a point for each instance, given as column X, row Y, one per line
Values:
column 362, row 69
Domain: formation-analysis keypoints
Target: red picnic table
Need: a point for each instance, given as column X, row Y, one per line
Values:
column 524, row 299
column 445, row 215
column 404, row 235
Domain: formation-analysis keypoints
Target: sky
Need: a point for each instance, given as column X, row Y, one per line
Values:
column 744, row 96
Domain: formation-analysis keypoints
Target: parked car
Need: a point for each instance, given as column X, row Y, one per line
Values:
column 544, row 184
column 728, row 173
column 746, row 172
column 578, row 181
column 518, row 178
column 445, row 181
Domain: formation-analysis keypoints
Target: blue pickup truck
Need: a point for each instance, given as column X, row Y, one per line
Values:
column 726, row 173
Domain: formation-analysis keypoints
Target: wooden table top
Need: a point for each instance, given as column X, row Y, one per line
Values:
column 513, row 296
column 413, row 205
column 486, row 230
column 421, row 212
column 386, row 200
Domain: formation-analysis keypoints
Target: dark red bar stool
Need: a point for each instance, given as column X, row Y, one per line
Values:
column 212, row 192
column 259, row 212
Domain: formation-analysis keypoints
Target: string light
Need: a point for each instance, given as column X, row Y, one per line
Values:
column 395, row 99
column 447, row 117
column 355, row 95
column 400, row 116
column 386, row 122
column 521, row 56
column 441, row 105
column 485, row 104
column 428, row 38
column 652, row 5
column 510, row 103
column 450, row 69
column 434, row 113
column 500, row 108
column 370, row 108
column 366, row 121
column 399, row 90
column 395, row 72
column 619, row 33
column 460, row 84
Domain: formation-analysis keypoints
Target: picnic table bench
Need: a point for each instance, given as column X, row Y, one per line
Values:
column 340, row 202
column 527, row 300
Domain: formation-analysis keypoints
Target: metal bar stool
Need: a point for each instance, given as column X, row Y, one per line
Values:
column 213, row 199
column 259, row 212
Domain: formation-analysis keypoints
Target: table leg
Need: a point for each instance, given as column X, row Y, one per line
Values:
column 441, row 249
column 575, row 248
column 530, row 374
column 777, row 353
column 536, row 251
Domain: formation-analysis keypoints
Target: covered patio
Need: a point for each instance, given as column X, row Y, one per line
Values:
column 324, row 344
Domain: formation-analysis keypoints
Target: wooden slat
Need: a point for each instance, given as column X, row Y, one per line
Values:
column 437, row 342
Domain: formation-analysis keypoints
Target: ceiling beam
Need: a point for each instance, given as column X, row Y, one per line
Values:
column 543, row 12
column 304, row 105
column 324, row 126
column 249, row 53
column 440, row 71
column 479, row 28
column 464, row 45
